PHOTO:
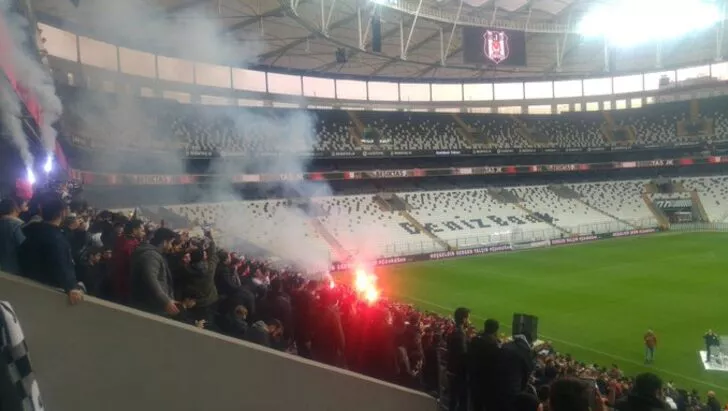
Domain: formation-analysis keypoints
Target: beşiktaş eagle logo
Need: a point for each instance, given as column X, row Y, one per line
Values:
column 495, row 46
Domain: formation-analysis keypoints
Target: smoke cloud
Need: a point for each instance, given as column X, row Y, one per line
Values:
column 285, row 227
column 11, row 114
column 32, row 75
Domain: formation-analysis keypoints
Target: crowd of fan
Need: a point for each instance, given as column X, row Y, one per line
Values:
column 159, row 270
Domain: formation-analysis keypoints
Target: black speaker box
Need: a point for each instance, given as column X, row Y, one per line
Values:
column 376, row 34
column 527, row 325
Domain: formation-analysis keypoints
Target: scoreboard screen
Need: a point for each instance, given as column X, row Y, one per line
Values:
column 494, row 47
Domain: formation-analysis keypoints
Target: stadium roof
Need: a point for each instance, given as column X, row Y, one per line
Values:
column 420, row 40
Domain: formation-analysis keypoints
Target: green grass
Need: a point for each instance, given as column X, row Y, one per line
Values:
column 595, row 300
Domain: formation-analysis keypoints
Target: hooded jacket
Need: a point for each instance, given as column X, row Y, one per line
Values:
column 151, row 279
column 46, row 256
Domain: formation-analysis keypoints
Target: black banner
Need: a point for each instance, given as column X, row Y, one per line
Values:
column 443, row 255
column 494, row 47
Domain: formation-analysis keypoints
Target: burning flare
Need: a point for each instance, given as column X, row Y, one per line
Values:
column 365, row 286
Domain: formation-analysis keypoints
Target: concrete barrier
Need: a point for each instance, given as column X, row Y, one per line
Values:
column 102, row 356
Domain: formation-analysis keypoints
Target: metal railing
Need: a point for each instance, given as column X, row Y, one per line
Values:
column 505, row 236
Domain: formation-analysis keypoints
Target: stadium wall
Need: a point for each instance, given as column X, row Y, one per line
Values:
column 99, row 355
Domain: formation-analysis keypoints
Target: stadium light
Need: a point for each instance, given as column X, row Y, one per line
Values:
column 625, row 23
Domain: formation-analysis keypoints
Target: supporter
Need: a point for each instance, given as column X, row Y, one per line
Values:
column 11, row 235
column 226, row 279
column 198, row 278
column 327, row 342
column 379, row 357
column 431, row 342
column 263, row 333
column 121, row 260
column 515, row 367
column 412, row 341
column 571, row 394
column 713, row 404
column 646, row 395
column 526, row 401
column 46, row 255
column 303, row 301
column 151, row 279
column 483, row 353
column 233, row 319
column 457, row 350
column 277, row 305
column 91, row 273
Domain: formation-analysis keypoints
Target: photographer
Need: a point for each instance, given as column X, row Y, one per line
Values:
column 711, row 340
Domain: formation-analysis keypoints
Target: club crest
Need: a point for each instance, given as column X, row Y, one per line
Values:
column 495, row 46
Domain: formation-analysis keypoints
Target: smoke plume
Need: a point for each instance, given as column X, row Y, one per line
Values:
column 283, row 228
column 32, row 75
column 11, row 113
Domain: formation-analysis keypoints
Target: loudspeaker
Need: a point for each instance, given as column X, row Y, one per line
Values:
column 527, row 325
column 376, row 32
column 341, row 55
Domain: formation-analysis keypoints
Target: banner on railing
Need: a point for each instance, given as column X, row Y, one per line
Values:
column 94, row 178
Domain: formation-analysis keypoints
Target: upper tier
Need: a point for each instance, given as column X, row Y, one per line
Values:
column 104, row 120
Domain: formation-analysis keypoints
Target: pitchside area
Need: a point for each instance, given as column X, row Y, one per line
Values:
column 596, row 300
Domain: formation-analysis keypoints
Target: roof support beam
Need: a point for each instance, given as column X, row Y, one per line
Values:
column 329, row 66
column 416, row 46
column 183, row 6
column 434, row 66
column 281, row 50
column 252, row 20
column 412, row 30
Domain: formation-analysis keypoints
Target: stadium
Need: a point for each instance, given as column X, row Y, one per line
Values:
column 390, row 204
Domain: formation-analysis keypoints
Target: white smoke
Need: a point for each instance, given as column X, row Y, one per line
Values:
column 286, row 231
column 11, row 113
column 31, row 74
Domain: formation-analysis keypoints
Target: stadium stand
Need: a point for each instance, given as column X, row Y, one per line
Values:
column 153, row 124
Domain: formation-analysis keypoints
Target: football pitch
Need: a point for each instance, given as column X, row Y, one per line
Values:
column 594, row 300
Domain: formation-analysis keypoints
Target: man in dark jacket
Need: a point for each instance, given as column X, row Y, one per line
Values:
column 646, row 395
column 199, row 280
column 303, row 306
column 121, row 259
column 328, row 343
column 483, row 354
column 46, row 256
column 151, row 279
column 11, row 235
column 457, row 351
column 263, row 333
column 277, row 305
column 515, row 366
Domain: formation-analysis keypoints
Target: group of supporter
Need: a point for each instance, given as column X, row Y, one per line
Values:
column 173, row 274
